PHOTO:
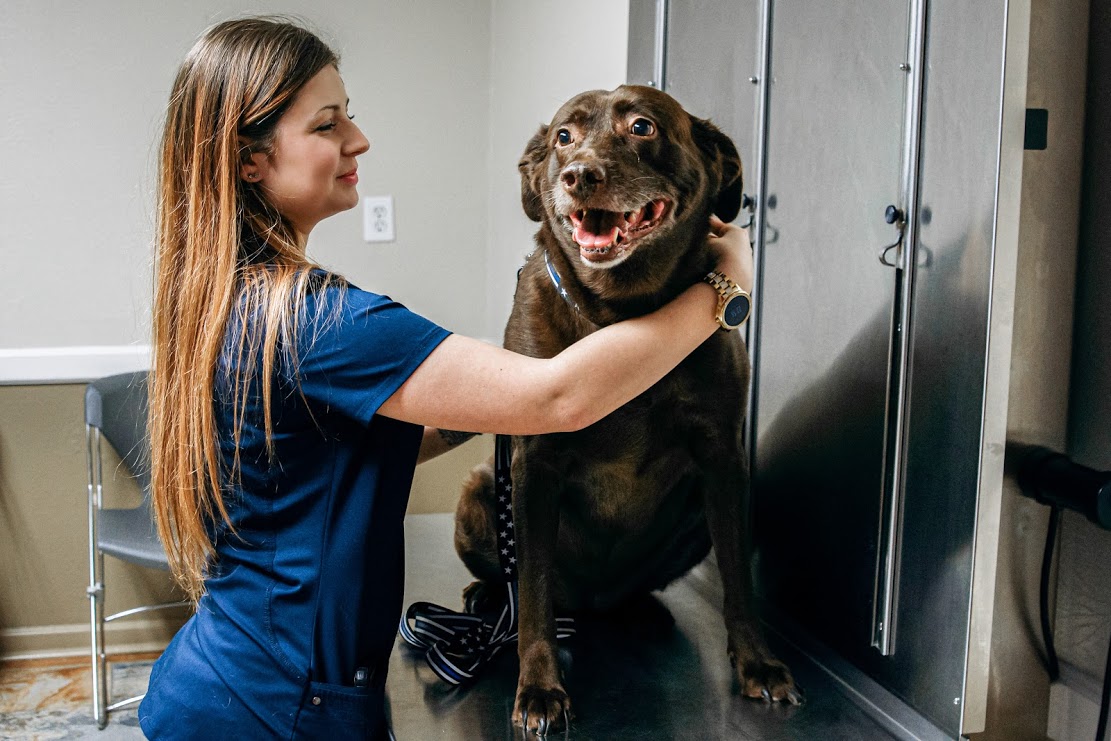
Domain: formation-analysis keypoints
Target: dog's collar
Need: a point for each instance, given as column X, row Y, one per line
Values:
column 558, row 282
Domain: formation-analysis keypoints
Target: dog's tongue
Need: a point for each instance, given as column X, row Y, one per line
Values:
column 598, row 228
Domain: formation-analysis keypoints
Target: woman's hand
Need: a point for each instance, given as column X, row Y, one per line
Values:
column 730, row 243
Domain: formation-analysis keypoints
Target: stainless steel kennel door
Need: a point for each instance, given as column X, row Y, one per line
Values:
column 829, row 488
column 694, row 26
column 836, row 130
column 880, row 375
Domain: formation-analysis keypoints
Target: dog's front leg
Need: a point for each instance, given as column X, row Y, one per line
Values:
column 542, row 704
column 759, row 673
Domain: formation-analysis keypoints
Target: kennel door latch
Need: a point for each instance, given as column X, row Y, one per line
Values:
column 893, row 215
column 748, row 203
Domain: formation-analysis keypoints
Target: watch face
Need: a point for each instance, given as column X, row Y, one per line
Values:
column 736, row 311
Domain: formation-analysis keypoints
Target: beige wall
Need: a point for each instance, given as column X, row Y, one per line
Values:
column 43, row 526
column 437, row 484
column 1018, row 703
column 43, row 530
column 84, row 86
column 447, row 91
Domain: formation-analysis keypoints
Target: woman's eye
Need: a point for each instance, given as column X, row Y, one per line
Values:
column 327, row 127
column 563, row 136
column 642, row 127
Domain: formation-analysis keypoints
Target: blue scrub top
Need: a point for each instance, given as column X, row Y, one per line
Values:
column 307, row 593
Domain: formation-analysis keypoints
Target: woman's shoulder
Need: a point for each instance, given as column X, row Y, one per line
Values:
column 338, row 309
column 351, row 338
column 332, row 292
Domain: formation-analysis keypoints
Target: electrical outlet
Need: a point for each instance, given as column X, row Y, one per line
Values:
column 378, row 219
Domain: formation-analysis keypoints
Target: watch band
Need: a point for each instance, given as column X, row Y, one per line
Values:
column 728, row 292
column 721, row 283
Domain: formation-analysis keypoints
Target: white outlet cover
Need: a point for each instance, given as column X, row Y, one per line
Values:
column 378, row 222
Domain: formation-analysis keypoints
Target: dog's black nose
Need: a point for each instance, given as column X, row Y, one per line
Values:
column 580, row 178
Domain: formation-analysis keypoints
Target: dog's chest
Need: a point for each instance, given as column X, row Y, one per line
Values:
column 622, row 469
column 626, row 493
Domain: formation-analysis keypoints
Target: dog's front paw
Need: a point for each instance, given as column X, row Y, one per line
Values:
column 479, row 598
column 540, row 710
column 767, row 679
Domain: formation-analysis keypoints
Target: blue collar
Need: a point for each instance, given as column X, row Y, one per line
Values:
column 558, row 282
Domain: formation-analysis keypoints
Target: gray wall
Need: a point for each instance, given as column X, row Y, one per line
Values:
column 1090, row 408
column 542, row 53
column 1083, row 609
column 85, row 86
column 1084, row 606
column 448, row 105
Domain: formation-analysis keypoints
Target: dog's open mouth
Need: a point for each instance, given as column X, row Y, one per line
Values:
column 604, row 235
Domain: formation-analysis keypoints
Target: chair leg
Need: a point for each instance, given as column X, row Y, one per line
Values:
column 95, row 590
column 99, row 659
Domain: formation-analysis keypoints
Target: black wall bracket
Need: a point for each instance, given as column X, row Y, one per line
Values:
column 1037, row 128
column 1054, row 479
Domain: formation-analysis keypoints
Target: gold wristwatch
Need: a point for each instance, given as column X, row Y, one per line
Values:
column 734, row 303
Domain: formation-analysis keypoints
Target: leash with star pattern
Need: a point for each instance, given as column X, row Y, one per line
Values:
column 458, row 645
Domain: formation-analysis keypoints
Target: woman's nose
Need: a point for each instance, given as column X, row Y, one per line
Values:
column 358, row 143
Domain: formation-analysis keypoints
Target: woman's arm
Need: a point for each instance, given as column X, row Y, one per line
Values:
column 436, row 442
column 465, row 384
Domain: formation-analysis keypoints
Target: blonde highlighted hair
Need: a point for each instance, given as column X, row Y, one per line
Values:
column 225, row 257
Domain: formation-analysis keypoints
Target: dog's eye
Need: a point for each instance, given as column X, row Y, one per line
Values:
column 642, row 127
column 563, row 136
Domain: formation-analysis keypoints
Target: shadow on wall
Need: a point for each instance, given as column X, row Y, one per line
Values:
column 818, row 475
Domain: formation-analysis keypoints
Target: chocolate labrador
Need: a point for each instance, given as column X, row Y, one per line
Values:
column 623, row 184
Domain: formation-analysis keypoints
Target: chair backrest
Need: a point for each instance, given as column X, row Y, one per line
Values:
column 117, row 406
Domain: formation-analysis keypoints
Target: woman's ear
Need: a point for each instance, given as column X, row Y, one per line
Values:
column 253, row 168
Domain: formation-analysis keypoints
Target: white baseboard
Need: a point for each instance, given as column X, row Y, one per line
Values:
column 134, row 635
column 33, row 366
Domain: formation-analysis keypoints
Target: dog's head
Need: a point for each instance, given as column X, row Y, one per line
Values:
column 618, row 170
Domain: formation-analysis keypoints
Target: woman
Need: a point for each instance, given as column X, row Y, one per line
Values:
column 288, row 407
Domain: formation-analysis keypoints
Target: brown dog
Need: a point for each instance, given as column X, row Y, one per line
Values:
column 623, row 184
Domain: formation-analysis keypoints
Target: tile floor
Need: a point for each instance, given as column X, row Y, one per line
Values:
column 44, row 699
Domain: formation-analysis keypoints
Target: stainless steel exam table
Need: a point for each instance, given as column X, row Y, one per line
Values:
column 623, row 684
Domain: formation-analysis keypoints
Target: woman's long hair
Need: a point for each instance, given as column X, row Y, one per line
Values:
column 225, row 258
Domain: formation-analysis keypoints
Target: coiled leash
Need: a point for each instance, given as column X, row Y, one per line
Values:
column 458, row 645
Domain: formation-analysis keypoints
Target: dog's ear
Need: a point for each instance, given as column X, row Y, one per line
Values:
column 720, row 152
column 531, row 168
